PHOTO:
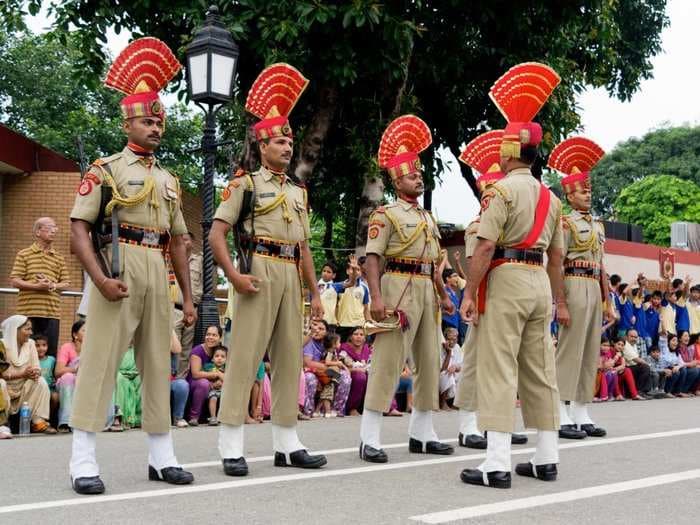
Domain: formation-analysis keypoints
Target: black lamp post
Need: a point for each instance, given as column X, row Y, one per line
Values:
column 212, row 58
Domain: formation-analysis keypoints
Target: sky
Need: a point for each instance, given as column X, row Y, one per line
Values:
column 669, row 98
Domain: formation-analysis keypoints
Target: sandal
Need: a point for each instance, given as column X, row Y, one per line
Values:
column 5, row 432
column 42, row 427
column 64, row 429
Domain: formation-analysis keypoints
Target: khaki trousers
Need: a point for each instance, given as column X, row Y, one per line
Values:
column 515, row 354
column 578, row 350
column 392, row 348
column 270, row 319
column 185, row 335
column 466, row 386
column 143, row 318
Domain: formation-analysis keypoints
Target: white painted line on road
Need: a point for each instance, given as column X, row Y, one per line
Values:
column 332, row 452
column 315, row 474
column 488, row 509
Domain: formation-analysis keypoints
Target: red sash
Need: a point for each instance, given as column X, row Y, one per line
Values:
column 541, row 212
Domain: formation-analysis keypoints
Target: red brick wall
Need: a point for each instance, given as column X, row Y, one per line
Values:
column 24, row 199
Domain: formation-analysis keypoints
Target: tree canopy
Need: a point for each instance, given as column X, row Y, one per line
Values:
column 656, row 201
column 670, row 151
column 370, row 61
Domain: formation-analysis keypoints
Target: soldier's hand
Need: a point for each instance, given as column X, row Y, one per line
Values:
column 563, row 316
column 316, row 308
column 377, row 309
column 114, row 290
column 246, row 284
column 189, row 314
column 468, row 311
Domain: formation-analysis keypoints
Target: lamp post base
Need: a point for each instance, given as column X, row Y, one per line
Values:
column 208, row 315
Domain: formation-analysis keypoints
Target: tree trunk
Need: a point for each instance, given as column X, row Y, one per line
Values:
column 428, row 199
column 372, row 196
column 316, row 132
column 466, row 173
column 250, row 154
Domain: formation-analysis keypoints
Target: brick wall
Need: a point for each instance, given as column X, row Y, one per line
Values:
column 24, row 199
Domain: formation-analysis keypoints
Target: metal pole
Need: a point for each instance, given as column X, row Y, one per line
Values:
column 208, row 311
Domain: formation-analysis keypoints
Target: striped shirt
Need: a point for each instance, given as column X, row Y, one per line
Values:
column 29, row 264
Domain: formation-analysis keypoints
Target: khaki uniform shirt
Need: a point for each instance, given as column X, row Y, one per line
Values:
column 584, row 238
column 402, row 229
column 280, row 207
column 508, row 212
column 160, row 209
column 470, row 238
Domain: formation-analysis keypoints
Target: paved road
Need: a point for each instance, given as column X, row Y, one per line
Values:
column 647, row 471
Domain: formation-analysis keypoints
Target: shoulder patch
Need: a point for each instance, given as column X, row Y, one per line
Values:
column 486, row 198
column 232, row 185
column 239, row 173
column 380, row 209
column 373, row 232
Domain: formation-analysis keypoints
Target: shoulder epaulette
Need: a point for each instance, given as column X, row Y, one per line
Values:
column 501, row 190
column 106, row 160
column 380, row 209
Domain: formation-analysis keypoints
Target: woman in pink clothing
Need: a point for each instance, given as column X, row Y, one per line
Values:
column 67, row 361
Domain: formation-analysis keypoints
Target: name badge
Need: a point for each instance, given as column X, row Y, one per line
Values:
column 135, row 182
column 269, row 194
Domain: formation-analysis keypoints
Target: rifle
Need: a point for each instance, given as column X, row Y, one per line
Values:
column 243, row 243
column 98, row 230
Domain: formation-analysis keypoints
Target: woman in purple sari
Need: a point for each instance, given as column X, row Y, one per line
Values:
column 360, row 352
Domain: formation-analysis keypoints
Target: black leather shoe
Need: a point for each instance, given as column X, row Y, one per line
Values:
column 472, row 441
column 515, row 439
column 372, row 454
column 518, row 439
column 546, row 472
column 430, row 447
column 593, row 431
column 299, row 458
column 172, row 475
column 235, row 466
column 496, row 479
column 571, row 432
column 89, row 485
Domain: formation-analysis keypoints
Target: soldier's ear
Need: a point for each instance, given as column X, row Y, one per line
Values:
column 126, row 126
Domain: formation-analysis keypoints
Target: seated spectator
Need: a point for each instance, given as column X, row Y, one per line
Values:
column 406, row 386
column 357, row 349
column 198, row 378
column 607, row 380
column 217, row 364
column 23, row 382
column 179, row 388
column 451, row 366
column 330, row 378
column 693, row 306
column 688, row 353
column 127, row 393
column 67, row 361
column 658, row 371
column 451, row 279
column 640, row 321
column 255, row 409
column 674, row 363
column 47, row 364
column 5, row 432
column 633, row 360
column 313, row 364
column 624, row 374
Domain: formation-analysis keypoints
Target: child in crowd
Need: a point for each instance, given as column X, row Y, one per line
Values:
column 218, row 363
column 329, row 291
column 47, row 364
column 657, row 371
column 330, row 376
column 607, row 376
column 255, row 414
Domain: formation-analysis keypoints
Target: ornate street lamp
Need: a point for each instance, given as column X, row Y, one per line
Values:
column 212, row 58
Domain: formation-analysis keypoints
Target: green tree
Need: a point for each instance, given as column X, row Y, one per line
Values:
column 655, row 201
column 672, row 151
column 41, row 97
column 371, row 61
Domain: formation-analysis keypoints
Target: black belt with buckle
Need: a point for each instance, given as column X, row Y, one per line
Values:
column 415, row 268
column 592, row 273
column 518, row 255
column 141, row 236
column 272, row 249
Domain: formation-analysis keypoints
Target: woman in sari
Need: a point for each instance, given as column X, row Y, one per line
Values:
column 5, row 432
column 128, row 390
column 67, row 361
column 360, row 352
column 22, row 378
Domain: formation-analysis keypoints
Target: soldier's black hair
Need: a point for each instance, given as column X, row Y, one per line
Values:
column 528, row 154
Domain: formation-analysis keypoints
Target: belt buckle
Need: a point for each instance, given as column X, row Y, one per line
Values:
column 287, row 250
column 425, row 268
column 150, row 238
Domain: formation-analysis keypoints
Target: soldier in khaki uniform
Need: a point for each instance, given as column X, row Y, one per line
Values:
column 482, row 154
column 585, row 284
column 407, row 237
column 268, row 309
column 130, row 303
column 520, row 220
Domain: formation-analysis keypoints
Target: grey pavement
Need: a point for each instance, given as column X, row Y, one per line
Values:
column 645, row 440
